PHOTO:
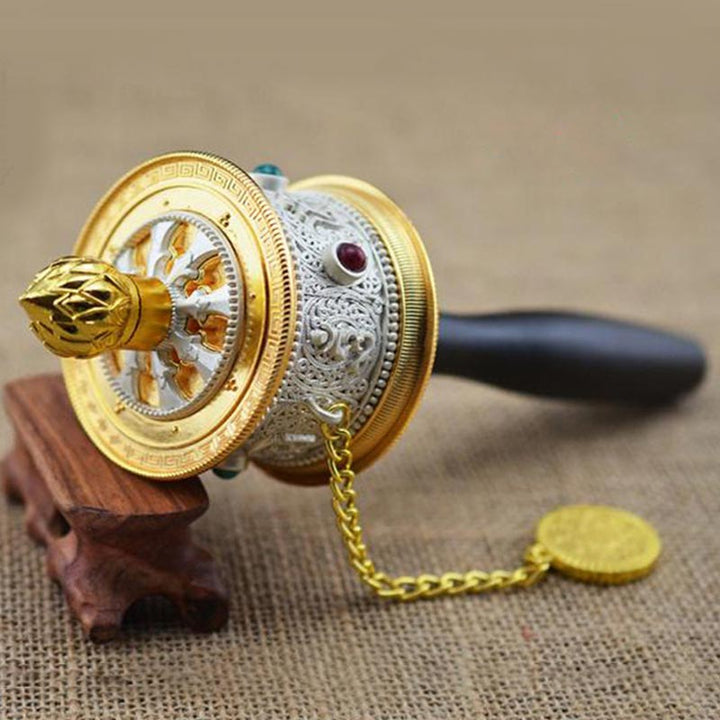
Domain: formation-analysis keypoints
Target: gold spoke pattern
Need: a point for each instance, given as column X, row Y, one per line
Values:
column 147, row 384
column 211, row 277
column 187, row 376
column 210, row 327
column 211, row 330
column 180, row 239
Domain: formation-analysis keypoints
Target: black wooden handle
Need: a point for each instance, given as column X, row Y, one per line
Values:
column 570, row 356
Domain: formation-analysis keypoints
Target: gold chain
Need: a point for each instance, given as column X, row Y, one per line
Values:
column 405, row 588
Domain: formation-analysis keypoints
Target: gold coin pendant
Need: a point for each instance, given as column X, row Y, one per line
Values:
column 599, row 544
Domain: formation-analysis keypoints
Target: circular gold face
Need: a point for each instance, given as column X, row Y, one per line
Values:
column 599, row 544
column 234, row 344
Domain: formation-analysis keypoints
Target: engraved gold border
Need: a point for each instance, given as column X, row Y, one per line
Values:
column 418, row 324
column 211, row 186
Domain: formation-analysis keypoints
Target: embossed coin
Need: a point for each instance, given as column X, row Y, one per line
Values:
column 599, row 544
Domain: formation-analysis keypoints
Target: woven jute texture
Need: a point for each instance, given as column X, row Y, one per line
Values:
column 557, row 161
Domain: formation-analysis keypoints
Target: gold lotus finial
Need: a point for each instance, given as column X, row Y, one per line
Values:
column 82, row 307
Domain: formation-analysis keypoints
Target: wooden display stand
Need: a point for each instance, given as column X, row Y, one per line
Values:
column 112, row 537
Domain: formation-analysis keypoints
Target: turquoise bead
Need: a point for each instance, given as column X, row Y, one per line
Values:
column 225, row 474
column 268, row 169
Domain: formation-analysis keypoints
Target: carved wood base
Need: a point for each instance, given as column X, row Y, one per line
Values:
column 112, row 537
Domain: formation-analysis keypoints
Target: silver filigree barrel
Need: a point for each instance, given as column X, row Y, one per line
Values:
column 347, row 332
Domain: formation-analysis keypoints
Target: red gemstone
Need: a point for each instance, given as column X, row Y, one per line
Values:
column 352, row 257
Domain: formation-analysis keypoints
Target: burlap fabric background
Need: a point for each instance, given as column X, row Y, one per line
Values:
column 548, row 160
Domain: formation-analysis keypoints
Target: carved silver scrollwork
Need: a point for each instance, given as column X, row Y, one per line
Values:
column 345, row 344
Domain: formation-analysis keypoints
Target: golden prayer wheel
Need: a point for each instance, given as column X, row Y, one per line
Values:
column 209, row 317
